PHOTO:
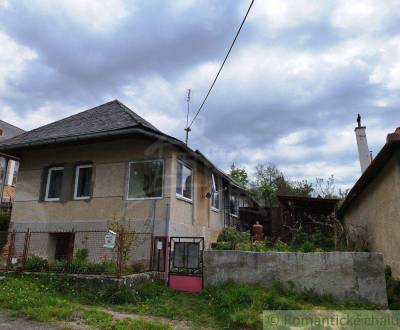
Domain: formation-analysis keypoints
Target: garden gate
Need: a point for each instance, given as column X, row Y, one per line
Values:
column 186, row 263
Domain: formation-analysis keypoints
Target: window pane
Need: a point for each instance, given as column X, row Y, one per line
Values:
column 55, row 183
column 179, row 168
column 2, row 168
column 15, row 174
column 234, row 204
column 145, row 179
column 187, row 182
column 84, row 182
column 215, row 195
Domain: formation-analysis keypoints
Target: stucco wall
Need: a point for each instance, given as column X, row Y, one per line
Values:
column 344, row 275
column 173, row 217
column 375, row 215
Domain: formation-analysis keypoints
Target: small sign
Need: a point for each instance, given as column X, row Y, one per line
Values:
column 159, row 245
column 109, row 239
column 14, row 261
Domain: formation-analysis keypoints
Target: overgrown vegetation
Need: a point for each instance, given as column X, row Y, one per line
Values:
column 229, row 306
column 79, row 264
column 393, row 289
column 4, row 221
column 231, row 239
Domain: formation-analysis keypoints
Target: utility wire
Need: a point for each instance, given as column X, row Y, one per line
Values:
column 223, row 63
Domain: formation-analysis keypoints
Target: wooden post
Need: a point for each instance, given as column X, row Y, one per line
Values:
column 11, row 248
column 71, row 246
column 120, row 252
column 26, row 248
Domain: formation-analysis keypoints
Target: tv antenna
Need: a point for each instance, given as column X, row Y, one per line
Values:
column 187, row 128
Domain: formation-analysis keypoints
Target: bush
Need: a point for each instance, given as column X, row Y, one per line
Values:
column 308, row 247
column 81, row 255
column 233, row 237
column 36, row 264
column 281, row 247
column 4, row 221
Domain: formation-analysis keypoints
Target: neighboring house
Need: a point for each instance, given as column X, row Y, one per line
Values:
column 8, row 169
column 371, row 210
column 107, row 164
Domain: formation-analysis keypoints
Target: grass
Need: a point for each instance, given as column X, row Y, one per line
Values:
column 229, row 306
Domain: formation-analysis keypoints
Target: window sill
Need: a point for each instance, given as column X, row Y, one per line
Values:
column 215, row 210
column 143, row 198
column 184, row 199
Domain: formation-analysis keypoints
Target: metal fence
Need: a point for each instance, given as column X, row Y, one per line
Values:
column 83, row 252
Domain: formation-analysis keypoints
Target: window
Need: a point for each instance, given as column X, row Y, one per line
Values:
column 2, row 169
column 215, row 193
column 15, row 173
column 183, row 181
column 53, row 186
column 145, row 179
column 83, row 181
column 234, row 205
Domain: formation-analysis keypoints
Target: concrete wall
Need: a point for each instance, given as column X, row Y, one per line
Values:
column 375, row 215
column 344, row 275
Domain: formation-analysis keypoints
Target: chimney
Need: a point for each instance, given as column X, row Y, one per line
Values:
column 362, row 145
column 393, row 136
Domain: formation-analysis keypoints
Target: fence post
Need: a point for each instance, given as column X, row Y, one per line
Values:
column 120, row 252
column 11, row 248
column 26, row 248
column 71, row 246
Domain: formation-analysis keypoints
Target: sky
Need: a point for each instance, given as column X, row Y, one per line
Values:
column 289, row 94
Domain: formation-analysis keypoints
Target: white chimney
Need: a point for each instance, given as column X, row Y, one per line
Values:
column 362, row 145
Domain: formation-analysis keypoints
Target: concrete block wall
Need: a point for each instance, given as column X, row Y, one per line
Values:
column 344, row 275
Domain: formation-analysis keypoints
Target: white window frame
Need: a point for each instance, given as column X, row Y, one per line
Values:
column 129, row 176
column 214, row 188
column 51, row 169
column 77, row 181
column 180, row 196
column 237, row 199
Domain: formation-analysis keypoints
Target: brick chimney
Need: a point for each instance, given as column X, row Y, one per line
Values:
column 362, row 145
column 394, row 136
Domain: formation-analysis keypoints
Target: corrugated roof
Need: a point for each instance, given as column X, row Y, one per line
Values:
column 103, row 118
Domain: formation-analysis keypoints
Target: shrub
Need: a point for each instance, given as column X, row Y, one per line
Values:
column 36, row 264
column 233, row 237
column 223, row 246
column 81, row 255
column 4, row 221
column 308, row 247
column 281, row 247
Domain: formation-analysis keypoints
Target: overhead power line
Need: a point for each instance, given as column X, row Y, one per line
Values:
column 222, row 65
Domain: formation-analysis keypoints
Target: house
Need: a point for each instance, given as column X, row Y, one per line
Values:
column 371, row 210
column 107, row 164
column 8, row 169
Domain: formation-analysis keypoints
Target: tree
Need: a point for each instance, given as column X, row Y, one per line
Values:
column 271, row 182
column 239, row 175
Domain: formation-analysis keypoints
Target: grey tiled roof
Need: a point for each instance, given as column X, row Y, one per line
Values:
column 103, row 118
column 8, row 130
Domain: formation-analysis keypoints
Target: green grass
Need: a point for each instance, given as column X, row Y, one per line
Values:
column 229, row 306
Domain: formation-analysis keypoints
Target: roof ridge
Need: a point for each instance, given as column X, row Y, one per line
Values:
column 5, row 122
column 135, row 116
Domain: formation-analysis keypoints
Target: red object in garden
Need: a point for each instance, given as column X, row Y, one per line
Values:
column 257, row 232
column 187, row 283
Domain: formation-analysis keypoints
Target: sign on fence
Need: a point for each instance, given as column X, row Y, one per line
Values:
column 109, row 239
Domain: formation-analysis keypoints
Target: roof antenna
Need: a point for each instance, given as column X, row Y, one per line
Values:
column 187, row 129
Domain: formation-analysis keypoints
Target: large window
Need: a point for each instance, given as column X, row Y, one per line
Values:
column 145, row 179
column 54, row 181
column 2, row 169
column 83, row 181
column 215, row 192
column 183, row 181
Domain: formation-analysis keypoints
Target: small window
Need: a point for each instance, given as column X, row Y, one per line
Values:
column 215, row 192
column 2, row 169
column 15, row 174
column 184, row 181
column 145, row 179
column 53, row 186
column 83, row 181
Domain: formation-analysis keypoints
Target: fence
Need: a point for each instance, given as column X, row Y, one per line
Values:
column 83, row 252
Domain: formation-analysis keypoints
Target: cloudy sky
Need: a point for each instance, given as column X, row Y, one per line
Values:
column 289, row 94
